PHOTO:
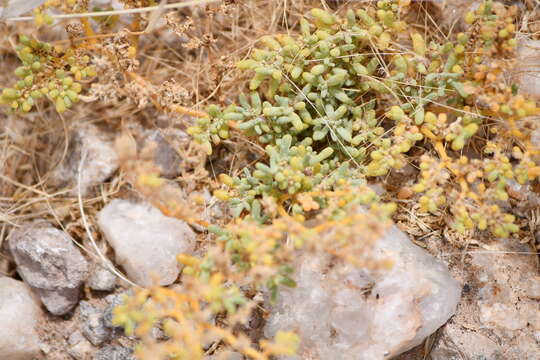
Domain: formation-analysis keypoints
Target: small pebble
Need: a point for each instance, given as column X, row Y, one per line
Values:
column 101, row 279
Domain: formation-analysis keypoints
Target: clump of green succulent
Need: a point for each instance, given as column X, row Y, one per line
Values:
column 290, row 170
column 312, row 104
column 311, row 85
column 347, row 93
column 46, row 71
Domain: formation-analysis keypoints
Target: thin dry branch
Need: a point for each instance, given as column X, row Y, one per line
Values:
column 120, row 12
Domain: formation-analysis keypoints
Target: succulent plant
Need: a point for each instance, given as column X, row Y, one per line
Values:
column 46, row 71
column 331, row 89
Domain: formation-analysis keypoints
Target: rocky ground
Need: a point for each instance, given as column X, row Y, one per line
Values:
column 66, row 263
column 66, row 294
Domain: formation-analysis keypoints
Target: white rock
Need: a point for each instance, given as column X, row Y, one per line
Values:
column 101, row 160
column 115, row 4
column 145, row 241
column 366, row 314
column 19, row 315
column 11, row 8
column 101, row 279
column 48, row 261
column 528, row 67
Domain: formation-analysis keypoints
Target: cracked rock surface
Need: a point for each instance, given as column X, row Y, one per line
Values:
column 366, row 314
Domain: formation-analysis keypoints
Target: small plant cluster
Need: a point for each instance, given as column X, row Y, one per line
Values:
column 46, row 71
column 345, row 95
column 58, row 70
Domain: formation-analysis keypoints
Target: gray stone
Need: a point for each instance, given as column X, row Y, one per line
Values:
column 457, row 343
column 114, row 352
column 101, row 279
column 158, row 334
column 527, row 198
column 94, row 328
column 145, row 241
column 113, row 301
column 48, row 261
column 19, row 316
column 164, row 154
column 364, row 314
column 101, row 160
column 79, row 348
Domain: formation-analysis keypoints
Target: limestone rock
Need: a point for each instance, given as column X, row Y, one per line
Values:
column 101, row 279
column 79, row 348
column 457, row 343
column 48, row 261
column 366, row 314
column 114, row 352
column 94, row 328
column 497, row 318
column 145, row 241
column 528, row 67
column 113, row 301
column 101, row 160
column 19, row 314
